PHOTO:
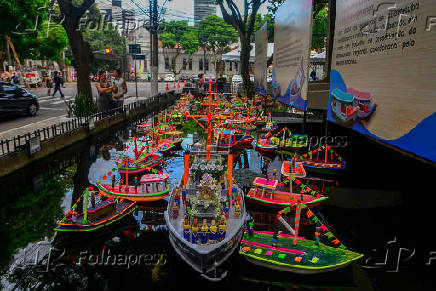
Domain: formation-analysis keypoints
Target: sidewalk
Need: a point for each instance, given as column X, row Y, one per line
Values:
column 31, row 127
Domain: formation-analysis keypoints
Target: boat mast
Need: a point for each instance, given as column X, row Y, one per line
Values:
column 325, row 159
column 85, row 214
column 127, row 171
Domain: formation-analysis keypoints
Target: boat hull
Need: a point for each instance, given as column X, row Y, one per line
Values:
column 129, row 207
column 366, row 115
column 322, row 169
column 204, row 263
column 280, row 203
column 107, row 190
column 257, row 249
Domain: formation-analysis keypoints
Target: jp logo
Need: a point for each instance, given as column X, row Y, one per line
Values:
column 392, row 260
column 43, row 256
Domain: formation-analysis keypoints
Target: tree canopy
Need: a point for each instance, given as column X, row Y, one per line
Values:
column 215, row 35
column 177, row 36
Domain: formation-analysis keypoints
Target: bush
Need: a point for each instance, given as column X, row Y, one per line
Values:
column 81, row 106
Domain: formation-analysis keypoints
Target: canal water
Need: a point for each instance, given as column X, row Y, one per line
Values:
column 382, row 207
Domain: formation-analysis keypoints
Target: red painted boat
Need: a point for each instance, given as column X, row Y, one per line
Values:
column 265, row 194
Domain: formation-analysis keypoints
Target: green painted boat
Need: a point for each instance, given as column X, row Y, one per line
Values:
column 315, row 258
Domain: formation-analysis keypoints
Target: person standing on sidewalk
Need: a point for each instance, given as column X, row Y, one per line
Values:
column 58, row 81
column 119, row 90
column 104, row 89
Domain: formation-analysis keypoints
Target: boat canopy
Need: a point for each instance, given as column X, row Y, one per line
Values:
column 149, row 178
column 268, row 184
column 342, row 96
column 359, row 95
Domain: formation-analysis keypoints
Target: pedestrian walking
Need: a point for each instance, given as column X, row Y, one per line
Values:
column 119, row 90
column 57, row 81
column 104, row 88
column 15, row 79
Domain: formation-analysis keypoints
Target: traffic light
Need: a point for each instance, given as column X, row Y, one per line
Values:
column 108, row 51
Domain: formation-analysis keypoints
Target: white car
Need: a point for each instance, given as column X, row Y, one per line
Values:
column 252, row 78
column 169, row 78
column 237, row 79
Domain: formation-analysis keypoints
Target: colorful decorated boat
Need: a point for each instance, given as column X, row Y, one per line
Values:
column 261, row 120
column 363, row 101
column 206, row 213
column 165, row 127
column 343, row 106
column 169, row 141
column 270, row 126
column 292, row 253
column 151, row 187
column 286, row 141
column 226, row 139
column 144, row 129
column 97, row 213
column 293, row 168
column 264, row 145
column 323, row 160
column 206, row 217
column 265, row 193
column 145, row 162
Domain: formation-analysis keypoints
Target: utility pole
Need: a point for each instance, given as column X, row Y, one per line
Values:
column 155, row 48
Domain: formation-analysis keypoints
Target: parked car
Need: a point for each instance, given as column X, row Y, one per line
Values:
column 237, row 79
column 33, row 79
column 169, row 78
column 16, row 100
column 183, row 78
column 209, row 76
column 194, row 78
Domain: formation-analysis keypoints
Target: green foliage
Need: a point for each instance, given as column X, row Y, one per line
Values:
column 320, row 26
column 215, row 34
column 260, row 21
column 52, row 40
column 192, row 127
column 33, row 36
column 20, row 17
column 81, row 106
column 101, row 39
column 177, row 35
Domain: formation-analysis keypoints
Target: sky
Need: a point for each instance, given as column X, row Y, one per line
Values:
column 182, row 9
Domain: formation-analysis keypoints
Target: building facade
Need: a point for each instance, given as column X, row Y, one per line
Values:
column 184, row 64
column 203, row 9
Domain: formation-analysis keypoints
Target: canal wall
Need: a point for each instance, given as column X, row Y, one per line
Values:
column 90, row 127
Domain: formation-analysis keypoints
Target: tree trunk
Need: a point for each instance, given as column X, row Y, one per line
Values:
column 2, row 61
column 245, row 65
column 82, row 54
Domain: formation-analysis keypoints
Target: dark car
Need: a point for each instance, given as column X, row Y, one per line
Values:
column 15, row 100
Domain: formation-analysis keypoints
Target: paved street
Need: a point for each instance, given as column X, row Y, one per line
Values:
column 53, row 109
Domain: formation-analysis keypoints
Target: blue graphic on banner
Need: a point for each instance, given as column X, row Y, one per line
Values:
column 352, row 113
column 291, row 96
